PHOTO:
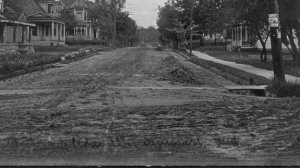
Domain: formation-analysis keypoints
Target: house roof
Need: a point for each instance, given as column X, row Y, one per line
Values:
column 70, row 3
column 41, row 16
column 33, row 10
column 29, row 7
column 11, row 12
column 90, row 4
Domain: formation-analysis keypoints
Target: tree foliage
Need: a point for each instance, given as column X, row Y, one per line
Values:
column 208, row 15
column 126, row 27
column 68, row 16
column 290, row 24
column 167, row 17
column 106, row 11
column 148, row 35
column 254, row 14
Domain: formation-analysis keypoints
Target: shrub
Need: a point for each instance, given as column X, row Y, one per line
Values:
column 287, row 89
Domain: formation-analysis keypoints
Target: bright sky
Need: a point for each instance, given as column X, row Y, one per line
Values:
column 144, row 12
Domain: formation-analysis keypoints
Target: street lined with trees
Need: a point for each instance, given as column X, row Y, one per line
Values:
column 220, row 16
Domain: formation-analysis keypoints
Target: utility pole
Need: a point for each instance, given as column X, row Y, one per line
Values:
column 279, row 75
column 191, row 27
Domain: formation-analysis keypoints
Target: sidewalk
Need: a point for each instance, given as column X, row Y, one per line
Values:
column 243, row 67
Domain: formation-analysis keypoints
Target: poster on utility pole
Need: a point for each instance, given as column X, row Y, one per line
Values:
column 274, row 20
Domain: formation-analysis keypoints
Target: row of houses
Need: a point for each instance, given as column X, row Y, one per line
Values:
column 28, row 23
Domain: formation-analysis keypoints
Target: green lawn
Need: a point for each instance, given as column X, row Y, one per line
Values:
column 250, row 58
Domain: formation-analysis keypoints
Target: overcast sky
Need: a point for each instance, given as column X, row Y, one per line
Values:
column 144, row 12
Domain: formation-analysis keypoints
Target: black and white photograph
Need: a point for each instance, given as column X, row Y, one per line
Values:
column 150, row 83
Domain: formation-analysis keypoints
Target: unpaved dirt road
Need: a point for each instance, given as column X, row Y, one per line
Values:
column 139, row 106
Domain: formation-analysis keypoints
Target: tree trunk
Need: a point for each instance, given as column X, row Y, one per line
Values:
column 295, row 52
column 215, row 38
column 202, row 40
column 284, row 38
column 263, row 53
column 298, row 37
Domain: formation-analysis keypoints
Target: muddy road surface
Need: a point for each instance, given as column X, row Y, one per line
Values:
column 140, row 106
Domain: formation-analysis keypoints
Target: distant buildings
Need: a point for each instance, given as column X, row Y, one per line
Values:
column 84, row 29
column 15, row 29
column 49, row 29
column 25, row 23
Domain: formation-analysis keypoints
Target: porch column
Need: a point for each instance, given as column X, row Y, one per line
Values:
column 91, row 32
column 246, row 33
column 241, row 33
column 24, row 34
column 64, row 30
column 236, row 36
column 4, row 33
column 57, row 31
column 61, row 30
column 37, row 30
column 14, row 34
column 232, row 34
column 28, row 34
column 85, row 31
column 52, row 30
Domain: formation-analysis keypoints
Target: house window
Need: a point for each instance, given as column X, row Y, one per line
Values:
column 60, row 8
column 79, row 15
column 51, row 8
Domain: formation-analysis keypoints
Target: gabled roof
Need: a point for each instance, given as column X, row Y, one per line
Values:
column 72, row 3
column 28, row 7
column 82, row 2
column 41, row 16
column 68, row 3
column 90, row 4
column 59, row 3
column 11, row 11
column 33, row 11
column 13, row 14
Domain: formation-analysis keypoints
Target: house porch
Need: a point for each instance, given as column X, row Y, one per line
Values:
column 48, row 33
column 15, row 37
column 240, row 37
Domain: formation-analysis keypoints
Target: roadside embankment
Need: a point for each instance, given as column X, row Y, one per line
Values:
column 15, row 65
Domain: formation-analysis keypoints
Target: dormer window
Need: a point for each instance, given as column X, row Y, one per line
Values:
column 51, row 8
column 1, row 6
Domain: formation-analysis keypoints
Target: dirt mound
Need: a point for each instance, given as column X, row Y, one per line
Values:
column 177, row 72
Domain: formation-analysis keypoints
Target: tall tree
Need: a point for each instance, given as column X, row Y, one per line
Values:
column 167, row 18
column 68, row 16
column 126, row 28
column 104, row 15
